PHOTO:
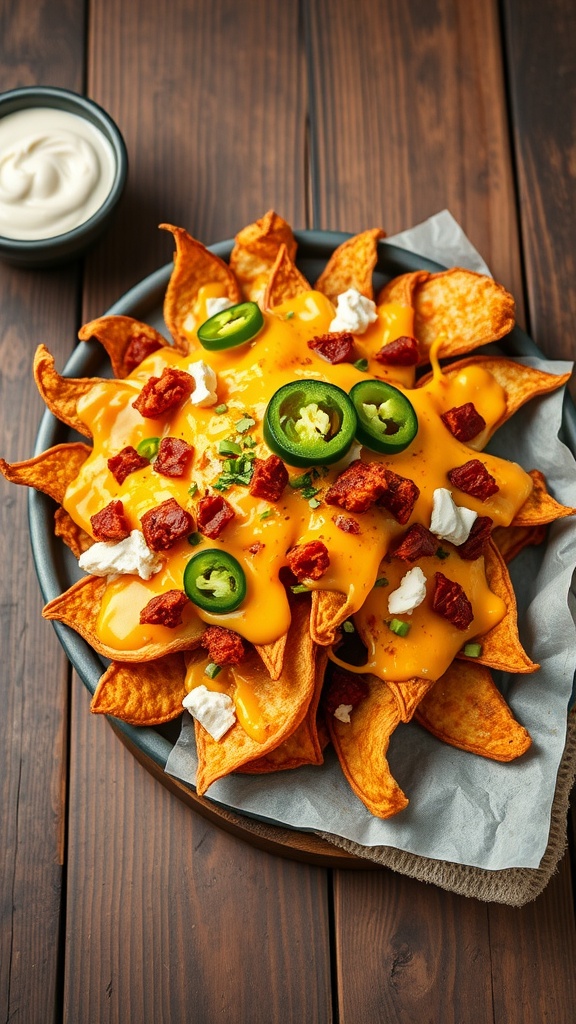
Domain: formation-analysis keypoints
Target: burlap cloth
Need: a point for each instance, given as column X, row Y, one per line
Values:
column 512, row 886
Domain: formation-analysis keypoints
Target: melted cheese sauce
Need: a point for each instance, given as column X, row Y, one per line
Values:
column 262, row 532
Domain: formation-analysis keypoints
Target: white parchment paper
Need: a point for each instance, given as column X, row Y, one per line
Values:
column 463, row 808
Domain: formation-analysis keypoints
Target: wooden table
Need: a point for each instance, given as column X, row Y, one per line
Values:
column 118, row 902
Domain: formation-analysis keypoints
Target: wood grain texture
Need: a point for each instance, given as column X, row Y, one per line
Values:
column 191, row 923
column 409, row 118
column 40, row 43
column 540, row 44
column 211, row 100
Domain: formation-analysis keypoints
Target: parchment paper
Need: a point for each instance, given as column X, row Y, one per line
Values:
column 463, row 808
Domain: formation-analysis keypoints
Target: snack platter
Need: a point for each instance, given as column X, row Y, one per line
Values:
column 57, row 569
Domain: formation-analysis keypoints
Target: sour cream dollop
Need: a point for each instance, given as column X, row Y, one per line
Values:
column 56, row 170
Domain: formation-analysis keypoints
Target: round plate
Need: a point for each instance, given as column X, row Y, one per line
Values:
column 57, row 569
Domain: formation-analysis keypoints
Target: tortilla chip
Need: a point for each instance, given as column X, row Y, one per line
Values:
column 520, row 383
column 329, row 610
column 50, row 472
column 194, row 266
column 285, row 281
column 255, row 252
column 408, row 694
column 540, row 507
column 501, row 647
column 73, row 535
column 61, row 394
column 273, row 656
column 361, row 747
column 149, row 694
column 79, row 607
column 511, row 540
column 283, row 705
column 304, row 746
column 466, row 710
column 469, row 309
column 351, row 265
column 402, row 289
column 115, row 334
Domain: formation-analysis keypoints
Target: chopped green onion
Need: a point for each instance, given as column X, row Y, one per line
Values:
column 212, row 670
column 314, row 503
column 381, row 582
column 244, row 424
column 289, row 315
column 300, row 588
column 148, row 448
column 472, row 650
column 266, row 514
column 399, row 627
column 193, row 489
column 361, row 364
column 229, row 448
column 348, row 626
column 249, row 442
column 221, row 408
column 442, row 554
column 300, row 481
column 194, row 539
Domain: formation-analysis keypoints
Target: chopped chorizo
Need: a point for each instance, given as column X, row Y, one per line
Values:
column 464, row 421
column 334, row 348
column 269, row 478
column 223, row 645
column 165, row 524
column 344, row 688
column 174, row 456
column 165, row 609
column 400, row 352
column 160, row 394
column 309, row 561
column 125, row 462
column 358, row 487
column 139, row 347
column 110, row 522
column 473, row 478
column 416, row 543
column 214, row 513
column 346, row 524
column 475, row 545
column 399, row 496
column 450, row 601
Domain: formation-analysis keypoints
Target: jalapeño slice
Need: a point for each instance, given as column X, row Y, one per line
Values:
column 215, row 581
column 232, row 326
column 309, row 422
column 387, row 421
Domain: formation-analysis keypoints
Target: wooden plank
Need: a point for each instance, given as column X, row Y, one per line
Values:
column 540, row 42
column 40, row 43
column 216, row 136
column 170, row 918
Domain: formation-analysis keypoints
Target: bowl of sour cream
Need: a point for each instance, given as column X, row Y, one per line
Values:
column 63, row 168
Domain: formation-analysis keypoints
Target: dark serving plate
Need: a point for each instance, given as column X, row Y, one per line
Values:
column 57, row 569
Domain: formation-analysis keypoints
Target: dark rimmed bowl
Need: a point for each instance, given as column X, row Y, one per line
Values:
column 47, row 252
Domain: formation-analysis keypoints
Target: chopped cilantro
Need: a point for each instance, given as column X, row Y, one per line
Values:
column 361, row 364
column 228, row 447
column 244, row 424
column 300, row 481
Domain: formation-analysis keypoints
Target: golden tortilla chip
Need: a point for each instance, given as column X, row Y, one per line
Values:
column 466, row 710
column 73, row 535
column 50, row 472
column 501, row 647
column 329, row 610
column 408, row 694
column 79, row 607
column 273, row 655
column 149, row 694
column 361, row 747
column 402, row 289
column 194, row 266
column 304, row 746
column 511, row 540
column 469, row 309
column 283, row 706
column 255, row 251
column 115, row 334
column 61, row 394
column 285, row 281
column 540, row 507
column 351, row 265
